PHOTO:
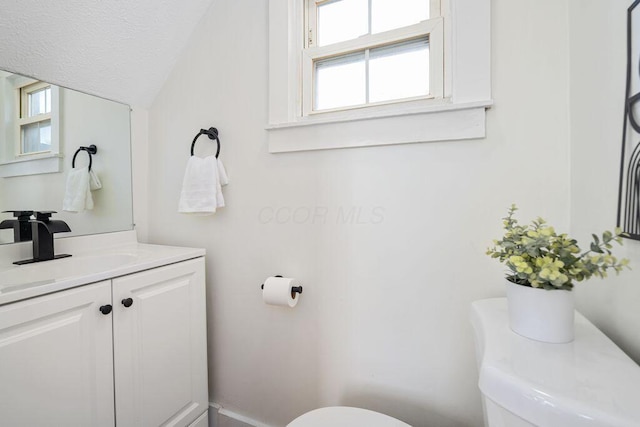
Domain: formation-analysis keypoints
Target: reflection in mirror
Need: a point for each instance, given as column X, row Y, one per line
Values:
column 41, row 128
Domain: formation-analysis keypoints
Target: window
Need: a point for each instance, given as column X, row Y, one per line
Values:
column 361, row 53
column 35, row 118
column 30, row 129
column 352, row 73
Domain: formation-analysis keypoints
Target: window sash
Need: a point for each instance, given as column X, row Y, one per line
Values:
column 311, row 18
column 22, row 125
column 432, row 28
column 25, row 91
column 367, row 57
column 23, row 139
column 24, row 120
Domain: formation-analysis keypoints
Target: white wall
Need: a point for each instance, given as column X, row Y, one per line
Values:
column 383, row 321
column 598, row 70
column 140, row 172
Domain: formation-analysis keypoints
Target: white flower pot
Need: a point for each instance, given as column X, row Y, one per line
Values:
column 540, row 314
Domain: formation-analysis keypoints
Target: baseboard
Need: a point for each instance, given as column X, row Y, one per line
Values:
column 221, row 417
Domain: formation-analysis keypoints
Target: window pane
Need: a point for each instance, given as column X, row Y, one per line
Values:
column 47, row 107
column 40, row 102
column 340, row 82
column 45, row 135
column 36, row 137
column 390, row 14
column 399, row 71
column 342, row 20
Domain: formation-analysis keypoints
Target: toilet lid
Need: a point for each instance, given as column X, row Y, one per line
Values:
column 342, row 416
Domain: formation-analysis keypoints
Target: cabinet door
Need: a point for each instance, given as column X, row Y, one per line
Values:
column 160, row 346
column 56, row 360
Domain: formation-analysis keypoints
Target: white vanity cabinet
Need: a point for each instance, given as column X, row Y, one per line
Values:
column 56, row 360
column 130, row 351
column 160, row 346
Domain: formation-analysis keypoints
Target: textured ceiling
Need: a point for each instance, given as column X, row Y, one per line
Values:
column 119, row 49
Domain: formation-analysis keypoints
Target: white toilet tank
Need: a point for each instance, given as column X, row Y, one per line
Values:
column 588, row 382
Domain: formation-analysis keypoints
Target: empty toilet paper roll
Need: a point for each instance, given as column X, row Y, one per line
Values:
column 279, row 291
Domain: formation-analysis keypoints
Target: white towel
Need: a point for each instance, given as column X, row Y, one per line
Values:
column 223, row 179
column 94, row 181
column 77, row 196
column 201, row 187
column 222, row 173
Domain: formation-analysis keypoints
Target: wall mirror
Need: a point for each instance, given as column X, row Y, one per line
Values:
column 42, row 126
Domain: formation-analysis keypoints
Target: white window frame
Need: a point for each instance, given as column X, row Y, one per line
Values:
column 431, row 28
column 458, row 114
column 22, row 164
column 24, row 119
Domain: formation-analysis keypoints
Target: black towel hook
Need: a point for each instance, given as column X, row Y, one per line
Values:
column 92, row 149
column 212, row 133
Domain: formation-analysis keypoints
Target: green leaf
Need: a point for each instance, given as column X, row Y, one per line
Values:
column 596, row 248
column 596, row 239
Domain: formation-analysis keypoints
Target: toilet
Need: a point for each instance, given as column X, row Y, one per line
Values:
column 342, row 416
column 588, row 382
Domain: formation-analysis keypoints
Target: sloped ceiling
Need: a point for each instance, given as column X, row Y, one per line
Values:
column 119, row 49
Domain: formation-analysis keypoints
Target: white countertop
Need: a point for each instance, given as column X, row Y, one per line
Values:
column 588, row 382
column 94, row 258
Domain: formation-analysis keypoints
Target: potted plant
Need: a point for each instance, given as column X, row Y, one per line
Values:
column 543, row 268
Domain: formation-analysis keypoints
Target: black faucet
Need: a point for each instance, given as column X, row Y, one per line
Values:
column 21, row 226
column 42, row 229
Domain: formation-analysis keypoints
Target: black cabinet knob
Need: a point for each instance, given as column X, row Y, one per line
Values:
column 127, row 302
column 106, row 309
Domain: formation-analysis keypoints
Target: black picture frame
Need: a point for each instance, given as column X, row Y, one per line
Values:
column 629, row 185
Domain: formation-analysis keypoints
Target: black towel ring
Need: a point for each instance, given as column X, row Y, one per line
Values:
column 92, row 149
column 212, row 133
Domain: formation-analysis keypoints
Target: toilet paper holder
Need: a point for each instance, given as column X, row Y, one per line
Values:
column 295, row 289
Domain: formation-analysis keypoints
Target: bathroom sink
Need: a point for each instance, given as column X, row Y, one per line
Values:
column 94, row 258
column 30, row 275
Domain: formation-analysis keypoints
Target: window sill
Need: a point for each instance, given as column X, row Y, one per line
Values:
column 49, row 163
column 398, row 124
